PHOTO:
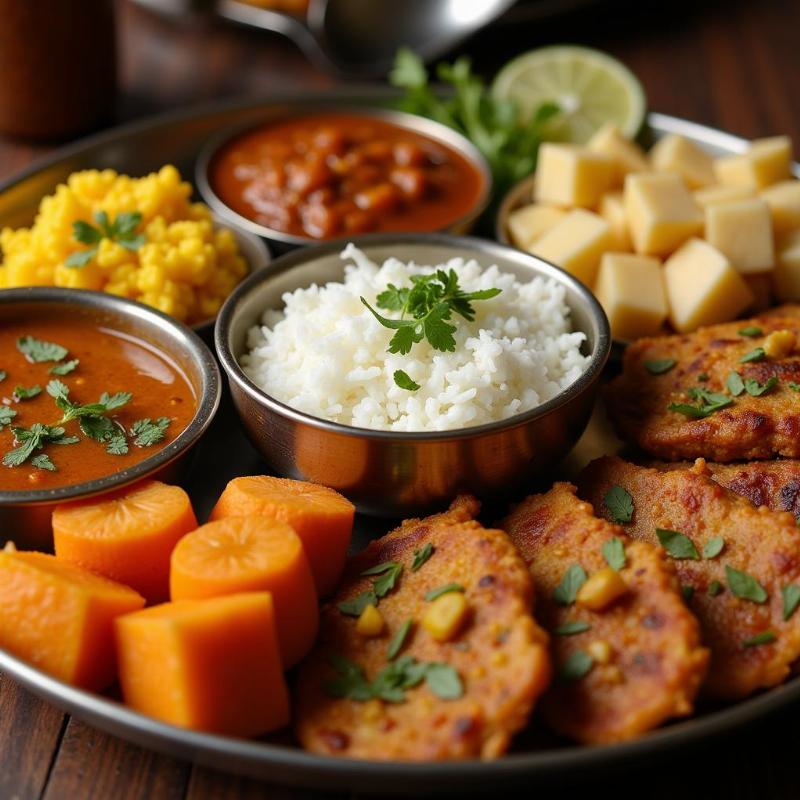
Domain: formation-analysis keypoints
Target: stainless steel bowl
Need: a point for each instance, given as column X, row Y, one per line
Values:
column 421, row 125
column 25, row 515
column 398, row 474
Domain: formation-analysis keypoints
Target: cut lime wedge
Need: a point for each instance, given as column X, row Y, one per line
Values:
column 589, row 87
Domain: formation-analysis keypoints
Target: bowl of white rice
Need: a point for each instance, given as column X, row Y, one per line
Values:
column 477, row 401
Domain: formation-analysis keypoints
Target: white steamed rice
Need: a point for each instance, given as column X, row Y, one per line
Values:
column 326, row 355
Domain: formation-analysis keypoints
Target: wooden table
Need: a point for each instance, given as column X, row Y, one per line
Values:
column 735, row 65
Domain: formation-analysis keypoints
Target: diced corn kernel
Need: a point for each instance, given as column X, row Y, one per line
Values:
column 780, row 344
column 601, row 589
column 445, row 616
column 370, row 623
column 599, row 650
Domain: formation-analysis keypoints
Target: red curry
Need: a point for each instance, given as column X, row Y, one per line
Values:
column 335, row 175
column 109, row 361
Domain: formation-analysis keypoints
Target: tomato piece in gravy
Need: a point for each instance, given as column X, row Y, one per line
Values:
column 110, row 361
column 333, row 175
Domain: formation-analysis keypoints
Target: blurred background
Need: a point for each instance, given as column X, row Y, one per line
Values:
column 729, row 64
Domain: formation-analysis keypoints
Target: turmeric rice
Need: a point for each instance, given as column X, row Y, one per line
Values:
column 185, row 267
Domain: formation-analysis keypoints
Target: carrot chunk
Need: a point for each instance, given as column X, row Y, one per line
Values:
column 212, row 665
column 248, row 554
column 59, row 617
column 128, row 536
column 321, row 517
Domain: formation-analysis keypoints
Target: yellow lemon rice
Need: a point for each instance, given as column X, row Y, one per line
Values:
column 185, row 268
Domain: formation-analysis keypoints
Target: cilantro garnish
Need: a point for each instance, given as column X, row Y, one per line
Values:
column 121, row 230
column 421, row 556
column 756, row 389
column 676, row 544
column 707, row 403
column 571, row 627
column 27, row 392
column 354, row 607
column 759, row 354
column 791, row 600
column 714, row 588
column 765, row 637
column 619, row 503
column 149, row 432
column 687, row 592
column 425, row 308
column 735, row 383
column 795, row 387
column 6, row 415
column 745, row 586
column 576, row 665
column 2, row 375
column 65, row 368
column 399, row 639
column 389, row 572
column 59, row 391
column 42, row 461
column 614, row 553
column 751, row 331
column 566, row 591
column 441, row 590
column 29, row 440
column 713, row 547
column 37, row 351
column 659, row 366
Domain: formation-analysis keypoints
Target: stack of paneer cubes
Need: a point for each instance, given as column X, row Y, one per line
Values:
column 674, row 235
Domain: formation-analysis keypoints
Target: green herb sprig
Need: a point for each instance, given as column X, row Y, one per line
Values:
column 122, row 230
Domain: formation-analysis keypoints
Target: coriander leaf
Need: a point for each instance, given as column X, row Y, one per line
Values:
column 745, row 586
column 751, row 331
column 6, row 415
column 676, row 544
column 149, row 432
column 444, row 681
column 80, row 258
column 57, row 389
column 392, row 298
column 101, row 429
column 687, row 592
column 387, row 581
column 354, row 607
column 115, row 401
column 571, row 627
column 687, row 410
column 614, row 553
column 408, row 71
column 707, row 403
column 27, row 392
column 576, row 666
column 438, row 332
column 132, row 243
column 791, row 600
column 394, row 324
column 37, row 351
column 735, row 384
column 619, row 503
column 65, row 368
column 765, row 637
column 421, row 556
column 2, row 375
column 403, row 380
column 759, row 354
column 713, row 547
column 126, row 223
column 756, row 389
column 795, row 387
column 566, row 591
column 714, row 588
column 399, row 639
column 117, row 445
column 703, row 377
column 659, row 366
column 43, row 461
column 440, row 590
column 85, row 233
column 350, row 681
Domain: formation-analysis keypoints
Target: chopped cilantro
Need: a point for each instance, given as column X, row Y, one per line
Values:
column 619, row 504
column 676, row 544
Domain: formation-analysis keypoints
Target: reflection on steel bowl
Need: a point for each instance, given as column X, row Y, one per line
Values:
column 393, row 473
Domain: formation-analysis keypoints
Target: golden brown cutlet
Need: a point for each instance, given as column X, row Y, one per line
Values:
column 737, row 592
column 751, row 427
column 648, row 662
column 500, row 653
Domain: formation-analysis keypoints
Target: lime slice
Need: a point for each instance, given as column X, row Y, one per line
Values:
column 590, row 87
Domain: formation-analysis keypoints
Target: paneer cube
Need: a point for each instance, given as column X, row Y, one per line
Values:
column 675, row 153
column 787, row 268
column 766, row 162
column 612, row 210
column 702, row 287
column 528, row 223
column 569, row 175
column 630, row 289
column 711, row 195
column 629, row 157
column 576, row 244
column 661, row 212
column 783, row 199
column 742, row 230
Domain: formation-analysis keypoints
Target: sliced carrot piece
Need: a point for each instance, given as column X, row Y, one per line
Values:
column 128, row 536
column 322, row 518
column 247, row 554
column 59, row 617
column 212, row 665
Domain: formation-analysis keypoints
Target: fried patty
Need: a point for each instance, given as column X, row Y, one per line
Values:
column 750, row 428
column 774, row 484
column 500, row 653
column 648, row 661
column 761, row 545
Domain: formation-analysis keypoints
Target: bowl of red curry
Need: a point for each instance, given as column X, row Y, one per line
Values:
column 317, row 176
column 96, row 392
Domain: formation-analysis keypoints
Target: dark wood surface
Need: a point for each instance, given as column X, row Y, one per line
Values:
column 735, row 65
